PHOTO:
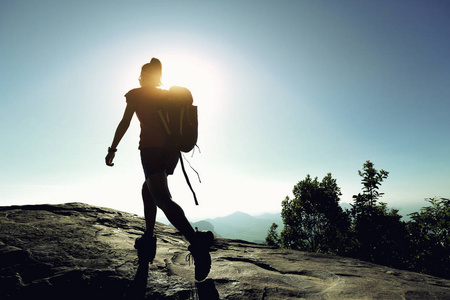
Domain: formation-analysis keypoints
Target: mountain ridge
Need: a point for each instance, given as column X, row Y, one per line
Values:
column 247, row 227
column 78, row 251
column 241, row 225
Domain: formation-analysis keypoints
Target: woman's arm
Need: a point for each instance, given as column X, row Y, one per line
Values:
column 120, row 132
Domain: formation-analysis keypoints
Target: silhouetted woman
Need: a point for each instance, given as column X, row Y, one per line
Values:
column 158, row 162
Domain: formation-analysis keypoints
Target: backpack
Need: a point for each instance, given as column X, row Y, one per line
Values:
column 180, row 120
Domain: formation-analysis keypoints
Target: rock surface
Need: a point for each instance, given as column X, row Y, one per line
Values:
column 77, row 251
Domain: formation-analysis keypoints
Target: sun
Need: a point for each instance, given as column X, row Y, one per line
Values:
column 199, row 75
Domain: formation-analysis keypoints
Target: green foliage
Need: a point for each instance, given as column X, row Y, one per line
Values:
column 313, row 220
column 273, row 239
column 371, row 181
column 379, row 236
column 429, row 233
column 378, row 233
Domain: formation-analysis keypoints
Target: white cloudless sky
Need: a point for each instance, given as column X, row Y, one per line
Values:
column 284, row 89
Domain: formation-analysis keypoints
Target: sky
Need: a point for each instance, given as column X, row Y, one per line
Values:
column 284, row 89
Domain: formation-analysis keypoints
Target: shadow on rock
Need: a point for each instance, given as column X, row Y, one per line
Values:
column 207, row 290
column 138, row 287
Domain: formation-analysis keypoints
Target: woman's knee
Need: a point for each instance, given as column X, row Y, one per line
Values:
column 157, row 186
column 145, row 190
column 164, row 202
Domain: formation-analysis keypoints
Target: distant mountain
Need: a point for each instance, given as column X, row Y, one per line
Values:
column 205, row 225
column 241, row 226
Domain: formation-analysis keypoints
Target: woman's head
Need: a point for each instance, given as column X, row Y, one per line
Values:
column 151, row 73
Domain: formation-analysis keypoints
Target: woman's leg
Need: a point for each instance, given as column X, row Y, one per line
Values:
column 199, row 241
column 149, row 210
column 159, row 190
column 146, row 245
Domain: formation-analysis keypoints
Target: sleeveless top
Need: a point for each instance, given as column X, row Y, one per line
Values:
column 146, row 101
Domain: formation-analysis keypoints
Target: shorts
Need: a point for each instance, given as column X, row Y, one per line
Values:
column 155, row 160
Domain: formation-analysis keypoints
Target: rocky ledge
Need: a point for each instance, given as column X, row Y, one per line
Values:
column 77, row 251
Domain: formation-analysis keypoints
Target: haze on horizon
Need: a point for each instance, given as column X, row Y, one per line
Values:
column 284, row 89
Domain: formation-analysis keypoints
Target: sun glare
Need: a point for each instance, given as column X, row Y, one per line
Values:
column 200, row 76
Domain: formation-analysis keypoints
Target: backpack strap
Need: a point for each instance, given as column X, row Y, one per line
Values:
column 181, row 120
column 187, row 178
column 164, row 122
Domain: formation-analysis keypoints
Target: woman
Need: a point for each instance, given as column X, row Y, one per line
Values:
column 158, row 161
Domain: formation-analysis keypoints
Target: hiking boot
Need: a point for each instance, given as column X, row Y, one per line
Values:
column 146, row 247
column 200, row 252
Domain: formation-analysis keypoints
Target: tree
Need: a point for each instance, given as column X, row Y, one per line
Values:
column 378, row 233
column 371, row 181
column 273, row 239
column 430, row 234
column 313, row 219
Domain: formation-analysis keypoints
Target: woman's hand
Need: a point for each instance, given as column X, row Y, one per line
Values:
column 109, row 159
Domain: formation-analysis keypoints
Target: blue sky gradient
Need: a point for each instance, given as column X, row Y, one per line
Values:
column 284, row 89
